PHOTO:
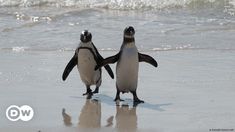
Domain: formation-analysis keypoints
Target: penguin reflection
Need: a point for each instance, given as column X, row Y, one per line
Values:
column 90, row 116
column 126, row 118
column 66, row 118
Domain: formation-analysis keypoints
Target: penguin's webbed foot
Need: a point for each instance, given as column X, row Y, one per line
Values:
column 89, row 94
column 88, row 91
column 118, row 99
column 96, row 91
column 137, row 101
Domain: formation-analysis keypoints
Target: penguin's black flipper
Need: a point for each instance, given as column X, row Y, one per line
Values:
column 73, row 62
column 109, row 70
column 97, row 53
column 148, row 59
column 109, row 60
column 107, row 67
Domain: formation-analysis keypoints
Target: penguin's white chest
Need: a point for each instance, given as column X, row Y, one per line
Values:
column 86, row 65
column 127, row 69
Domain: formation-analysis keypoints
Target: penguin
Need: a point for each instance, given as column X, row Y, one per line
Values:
column 86, row 57
column 127, row 67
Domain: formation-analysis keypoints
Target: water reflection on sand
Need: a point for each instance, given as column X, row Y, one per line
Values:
column 90, row 117
column 126, row 118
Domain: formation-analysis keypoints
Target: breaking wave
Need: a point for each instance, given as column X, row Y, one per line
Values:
column 122, row 4
column 165, row 48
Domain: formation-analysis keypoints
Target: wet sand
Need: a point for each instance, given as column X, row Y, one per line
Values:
column 189, row 91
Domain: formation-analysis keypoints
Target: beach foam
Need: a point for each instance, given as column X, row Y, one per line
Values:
column 121, row 4
column 18, row 49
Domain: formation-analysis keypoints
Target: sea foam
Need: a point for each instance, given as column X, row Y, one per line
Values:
column 121, row 4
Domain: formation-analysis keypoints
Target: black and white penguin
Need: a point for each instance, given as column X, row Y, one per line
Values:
column 86, row 57
column 127, row 68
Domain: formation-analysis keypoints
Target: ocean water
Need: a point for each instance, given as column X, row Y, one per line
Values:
column 160, row 25
column 192, row 40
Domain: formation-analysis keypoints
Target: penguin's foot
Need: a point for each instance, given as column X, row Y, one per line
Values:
column 118, row 99
column 88, row 91
column 137, row 100
column 96, row 91
column 89, row 95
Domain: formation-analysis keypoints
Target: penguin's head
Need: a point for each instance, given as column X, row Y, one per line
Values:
column 129, row 32
column 85, row 36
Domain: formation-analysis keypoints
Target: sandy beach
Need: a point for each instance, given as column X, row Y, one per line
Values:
column 192, row 96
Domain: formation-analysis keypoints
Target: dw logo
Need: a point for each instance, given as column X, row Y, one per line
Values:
column 24, row 113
